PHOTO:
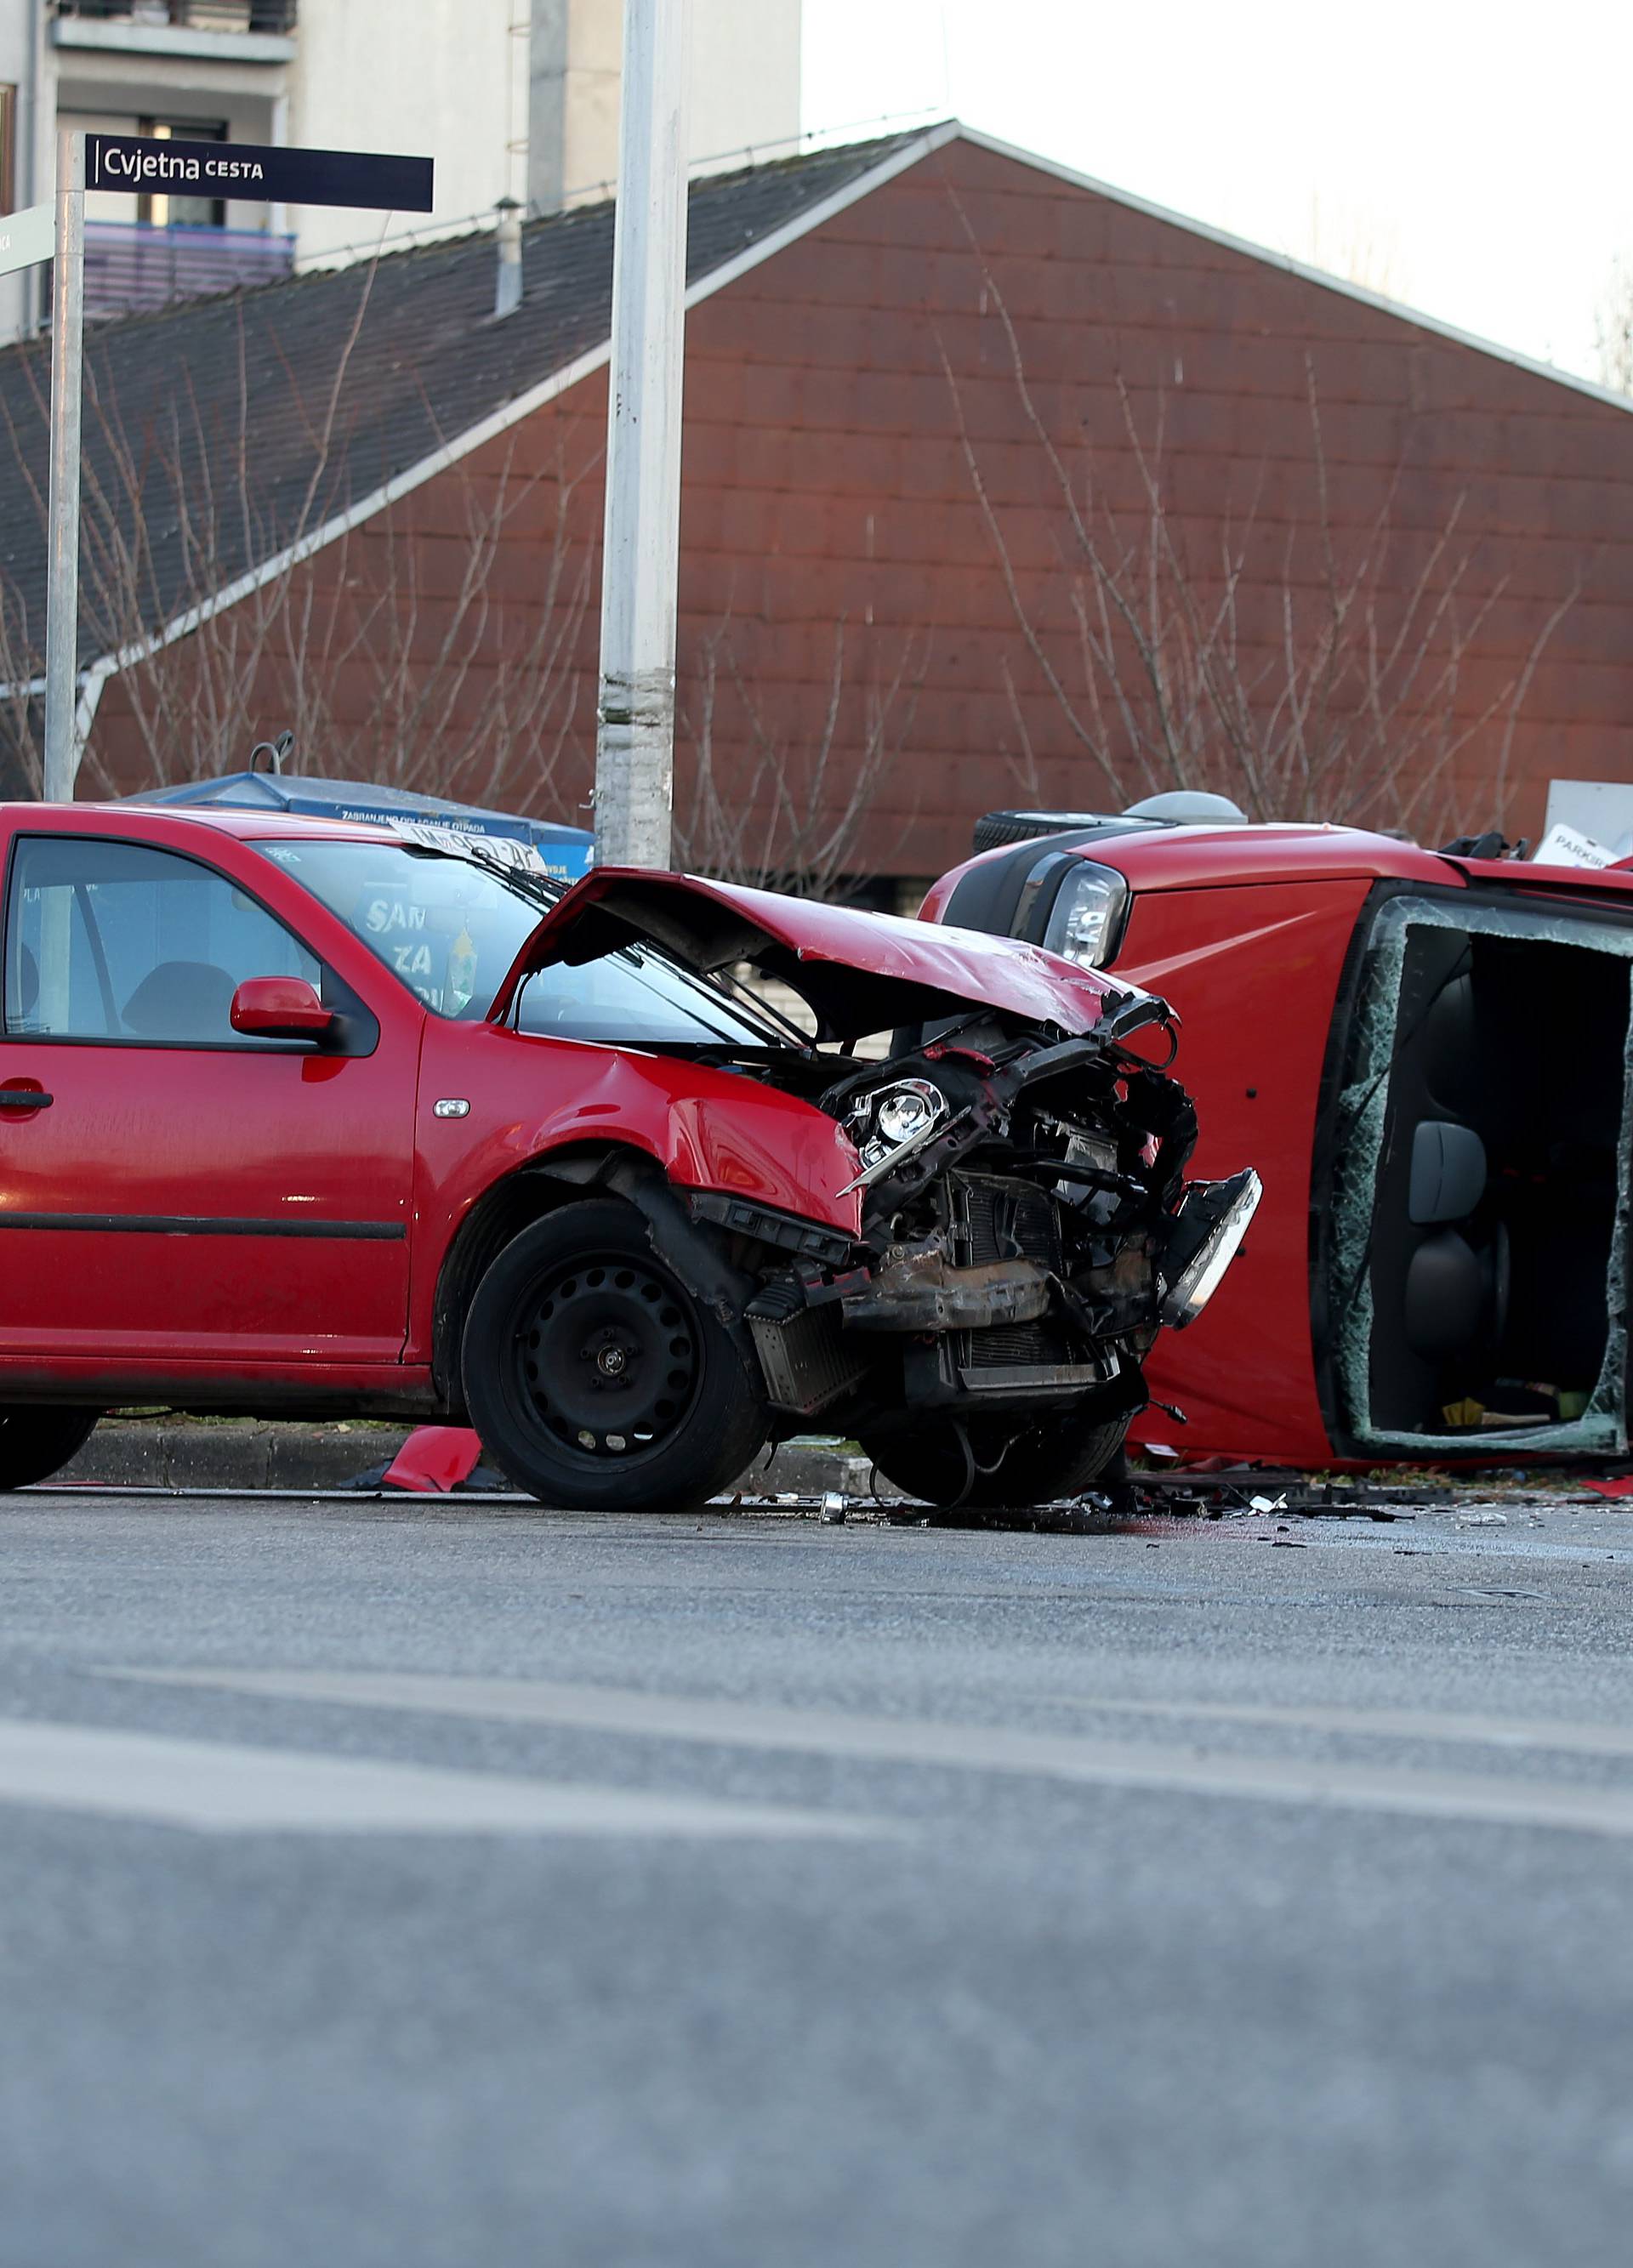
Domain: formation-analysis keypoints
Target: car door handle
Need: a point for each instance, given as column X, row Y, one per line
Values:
column 24, row 1098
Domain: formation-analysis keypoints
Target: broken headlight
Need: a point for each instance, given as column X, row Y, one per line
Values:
column 890, row 1118
column 1202, row 1241
column 1086, row 921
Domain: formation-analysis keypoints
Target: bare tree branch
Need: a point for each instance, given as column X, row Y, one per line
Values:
column 795, row 812
column 1340, row 695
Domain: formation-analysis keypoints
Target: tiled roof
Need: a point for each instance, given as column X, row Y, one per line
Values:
column 405, row 348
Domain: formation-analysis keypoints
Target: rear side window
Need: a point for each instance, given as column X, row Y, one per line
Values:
column 115, row 941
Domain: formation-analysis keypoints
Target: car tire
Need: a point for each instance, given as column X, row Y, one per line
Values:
column 1060, row 1457
column 594, row 1377
column 36, row 1443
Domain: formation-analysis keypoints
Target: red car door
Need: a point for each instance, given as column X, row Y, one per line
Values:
column 179, row 1197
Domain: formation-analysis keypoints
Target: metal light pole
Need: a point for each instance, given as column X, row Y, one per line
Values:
column 68, row 300
column 635, row 719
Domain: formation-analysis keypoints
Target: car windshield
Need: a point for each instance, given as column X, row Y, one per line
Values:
column 450, row 930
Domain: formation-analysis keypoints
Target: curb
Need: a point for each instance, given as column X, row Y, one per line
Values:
column 195, row 1459
column 247, row 1454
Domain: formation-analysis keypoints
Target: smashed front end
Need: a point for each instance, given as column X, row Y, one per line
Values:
column 1018, row 1224
column 1026, row 1230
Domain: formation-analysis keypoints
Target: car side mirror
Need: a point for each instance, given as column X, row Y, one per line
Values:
column 279, row 1008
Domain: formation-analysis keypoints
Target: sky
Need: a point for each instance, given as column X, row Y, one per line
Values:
column 1471, row 161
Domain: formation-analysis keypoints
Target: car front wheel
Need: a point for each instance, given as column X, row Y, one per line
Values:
column 36, row 1443
column 594, row 1377
column 964, row 1462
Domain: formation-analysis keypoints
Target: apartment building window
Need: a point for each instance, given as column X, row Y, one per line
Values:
column 8, row 149
column 161, row 210
column 184, row 212
column 276, row 16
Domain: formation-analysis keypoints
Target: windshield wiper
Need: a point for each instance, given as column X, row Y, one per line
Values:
column 768, row 1009
column 538, row 889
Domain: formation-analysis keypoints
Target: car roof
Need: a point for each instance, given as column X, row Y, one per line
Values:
column 170, row 821
column 1193, row 857
column 1166, row 858
column 1196, row 858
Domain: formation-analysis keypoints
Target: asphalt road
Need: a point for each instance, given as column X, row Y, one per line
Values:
column 412, row 1885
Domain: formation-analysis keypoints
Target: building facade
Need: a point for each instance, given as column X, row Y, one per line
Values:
column 511, row 97
column 744, row 96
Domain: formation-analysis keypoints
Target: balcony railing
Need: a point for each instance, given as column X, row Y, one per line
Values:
column 131, row 267
column 274, row 17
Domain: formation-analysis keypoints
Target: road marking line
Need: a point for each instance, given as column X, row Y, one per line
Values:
column 1519, row 1732
column 216, row 1785
column 1189, row 1770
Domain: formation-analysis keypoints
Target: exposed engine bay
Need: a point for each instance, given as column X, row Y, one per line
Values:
column 1026, row 1231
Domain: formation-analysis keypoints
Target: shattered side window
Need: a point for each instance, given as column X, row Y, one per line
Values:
column 1476, row 1257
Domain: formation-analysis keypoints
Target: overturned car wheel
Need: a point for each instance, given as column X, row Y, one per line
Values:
column 36, row 1443
column 594, row 1377
column 953, row 1463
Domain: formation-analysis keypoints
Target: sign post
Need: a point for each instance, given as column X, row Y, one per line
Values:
column 27, row 239
column 635, row 717
column 140, row 164
column 68, row 313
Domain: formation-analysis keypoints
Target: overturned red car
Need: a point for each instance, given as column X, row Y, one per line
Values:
column 302, row 1118
column 1427, row 1054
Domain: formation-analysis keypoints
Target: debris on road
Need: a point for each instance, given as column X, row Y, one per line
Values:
column 434, row 1461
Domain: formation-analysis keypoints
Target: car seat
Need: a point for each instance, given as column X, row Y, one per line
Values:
column 1455, row 1299
column 181, row 1000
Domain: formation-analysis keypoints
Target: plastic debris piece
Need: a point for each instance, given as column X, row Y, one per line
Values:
column 435, row 1460
column 833, row 1509
column 1478, row 1516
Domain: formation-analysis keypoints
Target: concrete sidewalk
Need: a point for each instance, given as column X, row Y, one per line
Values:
column 200, row 1457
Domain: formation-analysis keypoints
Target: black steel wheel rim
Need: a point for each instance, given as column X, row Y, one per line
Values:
column 607, row 1357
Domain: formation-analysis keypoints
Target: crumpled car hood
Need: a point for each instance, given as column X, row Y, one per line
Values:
column 859, row 972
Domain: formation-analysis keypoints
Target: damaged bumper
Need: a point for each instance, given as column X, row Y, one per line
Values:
column 922, row 1291
column 1026, row 1230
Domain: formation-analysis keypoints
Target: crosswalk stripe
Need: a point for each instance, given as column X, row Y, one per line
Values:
column 1189, row 1768
column 218, row 1785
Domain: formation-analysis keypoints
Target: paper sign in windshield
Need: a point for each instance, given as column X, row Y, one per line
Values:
column 481, row 849
column 1566, row 846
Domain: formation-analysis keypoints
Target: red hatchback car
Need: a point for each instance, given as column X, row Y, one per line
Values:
column 1427, row 1055
column 301, row 1117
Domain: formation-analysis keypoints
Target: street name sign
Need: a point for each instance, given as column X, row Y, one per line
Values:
column 27, row 238
column 256, row 174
